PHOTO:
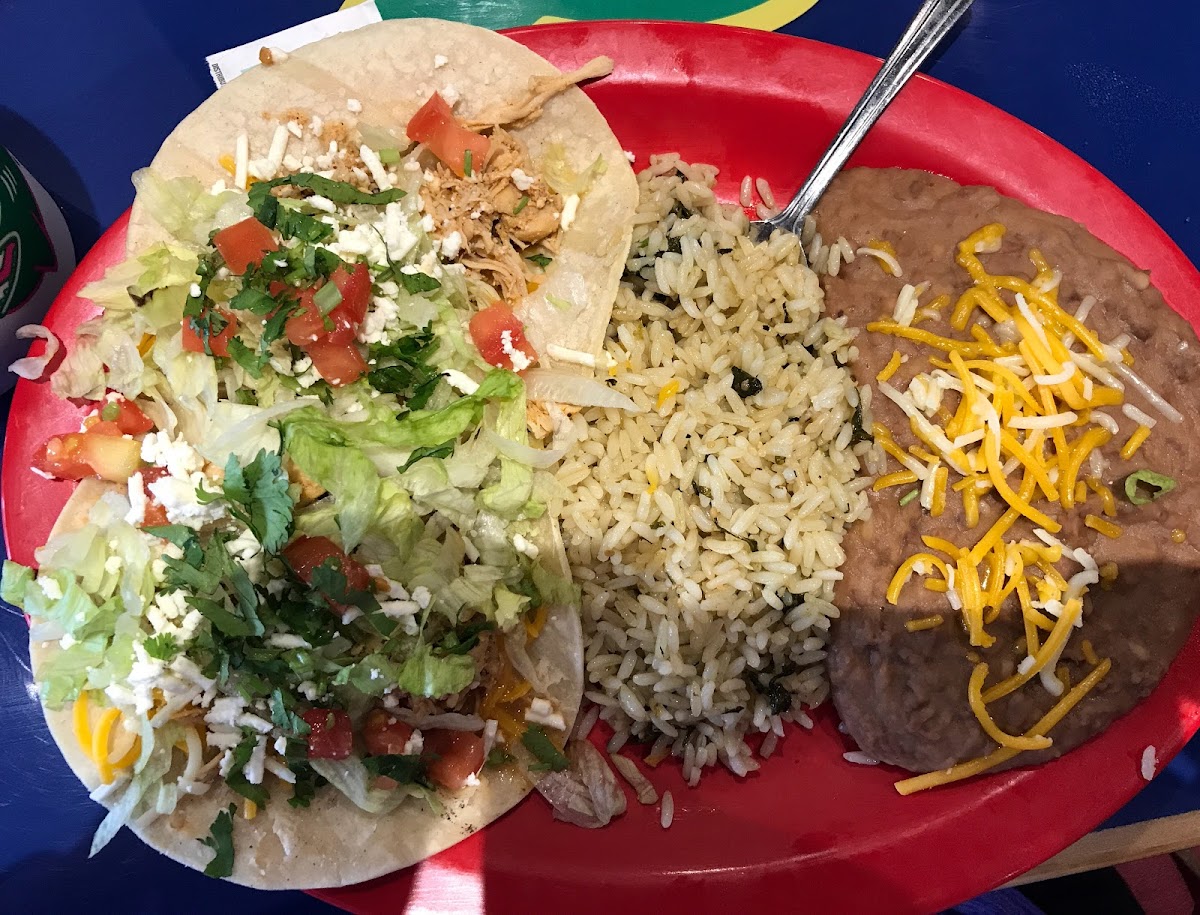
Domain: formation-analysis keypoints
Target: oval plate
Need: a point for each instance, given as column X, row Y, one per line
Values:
column 809, row 831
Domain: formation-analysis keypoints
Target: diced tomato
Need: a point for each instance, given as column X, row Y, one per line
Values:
column 384, row 734
column 244, row 243
column 330, row 735
column 435, row 126
column 118, row 417
column 451, row 757
column 340, row 326
column 155, row 515
column 339, row 364
column 218, row 344
column 61, row 456
column 101, row 427
column 304, row 554
column 488, row 329
column 128, row 416
column 355, row 286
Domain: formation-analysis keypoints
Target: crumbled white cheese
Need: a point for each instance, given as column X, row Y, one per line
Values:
column 287, row 640
column 452, row 245
column 630, row 156
column 144, row 676
column 50, row 587
column 194, row 291
column 422, row 596
column 43, row 474
column 324, row 204
column 67, row 641
column 137, row 500
column 523, row 181
column 450, row 94
column 460, row 381
column 520, row 362
column 112, row 565
column 523, row 545
column 178, row 497
column 381, row 316
column 398, row 608
column 309, row 690
column 563, row 354
column 176, row 455
column 439, row 61
column 225, row 710
column 294, row 129
column 353, row 105
column 280, row 745
column 351, row 615
column 415, row 744
column 570, row 207
column 426, row 223
column 253, row 770
column 375, row 166
column 248, row 720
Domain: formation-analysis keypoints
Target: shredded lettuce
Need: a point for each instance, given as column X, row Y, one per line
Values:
column 560, row 175
column 185, row 208
column 151, row 768
column 351, row 778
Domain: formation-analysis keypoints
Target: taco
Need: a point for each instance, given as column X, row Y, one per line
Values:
column 305, row 619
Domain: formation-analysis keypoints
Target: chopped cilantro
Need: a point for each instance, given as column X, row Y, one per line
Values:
column 468, row 158
column 307, row 782
column 498, row 758
column 406, row 770
column 445, row 449
column 337, row 191
column 283, row 717
column 244, row 356
column 403, row 368
column 162, row 646
column 463, row 639
column 417, row 282
column 328, row 584
column 258, row 497
column 859, row 433
column 548, row 755
column 253, row 300
column 220, row 840
column 540, row 259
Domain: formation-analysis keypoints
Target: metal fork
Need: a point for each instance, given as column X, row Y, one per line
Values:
column 931, row 24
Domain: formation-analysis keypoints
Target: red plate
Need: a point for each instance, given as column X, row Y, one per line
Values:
column 810, row 831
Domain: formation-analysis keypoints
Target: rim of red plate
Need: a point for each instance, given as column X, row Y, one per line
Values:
column 931, row 850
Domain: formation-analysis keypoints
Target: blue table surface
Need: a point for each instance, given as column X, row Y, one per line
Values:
column 90, row 90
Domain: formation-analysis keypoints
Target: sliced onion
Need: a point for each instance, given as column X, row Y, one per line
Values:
column 447, row 721
column 37, row 368
column 587, row 792
column 541, row 458
column 566, row 387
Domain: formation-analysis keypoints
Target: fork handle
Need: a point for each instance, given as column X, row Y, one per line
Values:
column 931, row 24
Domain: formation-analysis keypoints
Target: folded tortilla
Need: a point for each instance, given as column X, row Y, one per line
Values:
column 391, row 68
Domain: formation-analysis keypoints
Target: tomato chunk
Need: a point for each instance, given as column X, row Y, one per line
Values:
column 244, row 243
column 330, row 735
column 304, row 554
column 384, row 734
column 127, row 416
column 339, row 364
column 499, row 336
column 62, row 457
column 156, row 514
column 355, row 286
column 435, row 126
column 451, row 757
column 219, row 344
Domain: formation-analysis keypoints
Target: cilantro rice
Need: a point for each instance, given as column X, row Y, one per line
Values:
column 705, row 529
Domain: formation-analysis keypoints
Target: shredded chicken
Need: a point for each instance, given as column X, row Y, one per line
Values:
column 541, row 89
column 496, row 220
column 539, row 420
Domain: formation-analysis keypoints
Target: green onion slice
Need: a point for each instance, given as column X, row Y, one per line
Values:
column 1156, row 485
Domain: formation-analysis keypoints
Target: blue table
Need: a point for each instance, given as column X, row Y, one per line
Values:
column 92, row 88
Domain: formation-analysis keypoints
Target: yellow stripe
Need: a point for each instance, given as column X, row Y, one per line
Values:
column 1084, row 445
column 1130, row 448
column 925, row 622
column 991, row 451
column 1035, row 466
column 970, row 507
column 1107, row 528
column 975, row 766
column 1105, row 494
column 905, row 571
column 250, row 809
column 1089, row 653
column 931, row 339
column 100, row 744
column 666, row 392
column 938, row 503
column 81, row 723
column 941, row 544
column 975, row 698
column 891, row 368
column 899, row 478
column 1058, row 637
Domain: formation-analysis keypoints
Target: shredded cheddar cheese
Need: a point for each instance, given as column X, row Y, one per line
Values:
column 1011, row 410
